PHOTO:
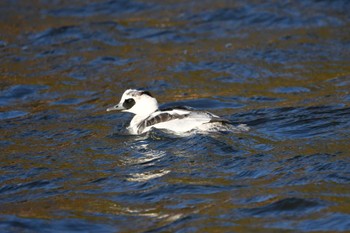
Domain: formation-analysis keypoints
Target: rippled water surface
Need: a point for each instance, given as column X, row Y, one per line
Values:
column 281, row 67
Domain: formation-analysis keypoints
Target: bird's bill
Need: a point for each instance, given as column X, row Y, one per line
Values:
column 116, row 107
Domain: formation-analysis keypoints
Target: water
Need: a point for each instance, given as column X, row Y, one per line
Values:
column 281, row 67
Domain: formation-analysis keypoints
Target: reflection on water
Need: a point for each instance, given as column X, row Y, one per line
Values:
column 146, row 157
column 280, row 67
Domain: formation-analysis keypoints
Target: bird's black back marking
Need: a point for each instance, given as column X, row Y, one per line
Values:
column 160, row 118
column 177, row 107
column 221, row 120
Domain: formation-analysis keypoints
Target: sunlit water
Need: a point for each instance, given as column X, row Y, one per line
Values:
column 281, row 67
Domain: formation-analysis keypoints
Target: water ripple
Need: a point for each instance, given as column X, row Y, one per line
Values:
column 287, row 206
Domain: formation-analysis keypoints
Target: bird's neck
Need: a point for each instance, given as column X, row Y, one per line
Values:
column 137, row 119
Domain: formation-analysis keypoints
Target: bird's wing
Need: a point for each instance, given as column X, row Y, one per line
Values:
column 160, row 117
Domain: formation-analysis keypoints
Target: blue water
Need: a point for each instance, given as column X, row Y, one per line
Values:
column 281, row 67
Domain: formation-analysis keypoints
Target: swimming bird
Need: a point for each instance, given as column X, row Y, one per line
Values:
column 148, row 115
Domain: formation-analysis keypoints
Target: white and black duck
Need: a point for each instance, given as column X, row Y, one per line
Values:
column 148, row 115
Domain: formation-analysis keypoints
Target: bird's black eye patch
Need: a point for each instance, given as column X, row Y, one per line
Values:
column 146, row 93
column 128, row 103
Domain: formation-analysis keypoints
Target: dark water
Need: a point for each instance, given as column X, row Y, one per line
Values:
column 281, row 67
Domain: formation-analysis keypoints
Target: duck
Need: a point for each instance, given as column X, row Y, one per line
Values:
column 148, row 115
